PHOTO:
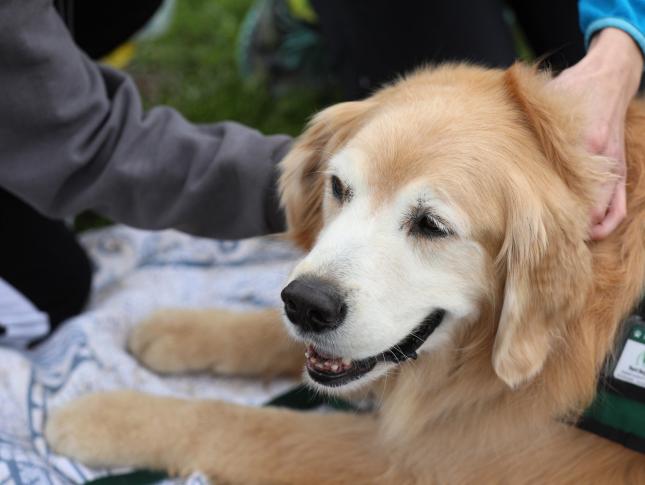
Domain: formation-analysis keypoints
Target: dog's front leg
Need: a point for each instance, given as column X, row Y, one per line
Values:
column 228, row 442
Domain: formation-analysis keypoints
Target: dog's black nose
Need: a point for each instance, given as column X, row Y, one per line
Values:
column 313, row 304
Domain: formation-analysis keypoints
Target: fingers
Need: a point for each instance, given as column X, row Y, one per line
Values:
column 616, row 212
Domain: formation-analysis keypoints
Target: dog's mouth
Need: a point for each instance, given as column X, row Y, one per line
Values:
column 334, row 371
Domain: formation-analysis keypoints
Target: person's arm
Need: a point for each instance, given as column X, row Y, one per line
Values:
column 73, row 136
column 607, row 79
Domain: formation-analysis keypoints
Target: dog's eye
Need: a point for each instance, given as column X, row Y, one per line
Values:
column 427, row 226
column 338, row 189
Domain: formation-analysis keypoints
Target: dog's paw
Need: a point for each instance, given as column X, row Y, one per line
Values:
column 176, row 341
column 219, row 341
column 97, row 429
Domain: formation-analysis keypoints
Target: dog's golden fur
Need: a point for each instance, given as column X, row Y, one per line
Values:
column 497, row 407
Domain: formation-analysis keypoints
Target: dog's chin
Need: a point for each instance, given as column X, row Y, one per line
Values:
column 328, row 372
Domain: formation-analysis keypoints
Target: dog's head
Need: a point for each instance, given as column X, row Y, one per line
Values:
column 454, row 192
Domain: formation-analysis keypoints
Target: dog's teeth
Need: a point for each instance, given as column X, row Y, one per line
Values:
column 334, row 367
column 313, row 360
column 347, row 361
column 307, row 355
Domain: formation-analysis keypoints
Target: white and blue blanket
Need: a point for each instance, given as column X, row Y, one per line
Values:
column 137, row 272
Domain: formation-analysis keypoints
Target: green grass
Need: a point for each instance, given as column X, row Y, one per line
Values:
column 193, row 69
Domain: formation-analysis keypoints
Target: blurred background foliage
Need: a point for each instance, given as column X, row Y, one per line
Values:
column 192, row 67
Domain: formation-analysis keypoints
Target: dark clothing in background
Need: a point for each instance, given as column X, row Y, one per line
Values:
column 374, row 41
column 100, row 27
column 41, row 258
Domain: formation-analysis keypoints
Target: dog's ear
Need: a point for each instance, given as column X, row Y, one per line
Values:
column 302, row 178
column 544, row 255
column 548, row 272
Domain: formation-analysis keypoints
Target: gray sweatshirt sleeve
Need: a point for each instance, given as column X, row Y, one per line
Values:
column 73, row 136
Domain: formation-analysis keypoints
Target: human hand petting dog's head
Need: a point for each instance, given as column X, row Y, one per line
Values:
column 607, row 79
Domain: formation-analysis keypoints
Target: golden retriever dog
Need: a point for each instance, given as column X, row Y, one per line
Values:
column 449, row 275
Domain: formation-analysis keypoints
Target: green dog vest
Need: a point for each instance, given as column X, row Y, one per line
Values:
column 618, row 411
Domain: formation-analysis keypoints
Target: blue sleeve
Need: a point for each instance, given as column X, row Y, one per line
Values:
column 626, row 15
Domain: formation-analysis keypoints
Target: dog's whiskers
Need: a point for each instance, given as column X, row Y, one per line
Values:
column 417, row 337
column 394, row 356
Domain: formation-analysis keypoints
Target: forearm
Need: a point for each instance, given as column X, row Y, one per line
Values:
column 615, row 52
column 605, row 81
column 74, row 137
column 615, row 63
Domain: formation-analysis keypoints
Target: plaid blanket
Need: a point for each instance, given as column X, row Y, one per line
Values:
column 136, row 273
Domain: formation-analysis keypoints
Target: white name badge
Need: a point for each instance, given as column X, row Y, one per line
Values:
column 631, row 364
